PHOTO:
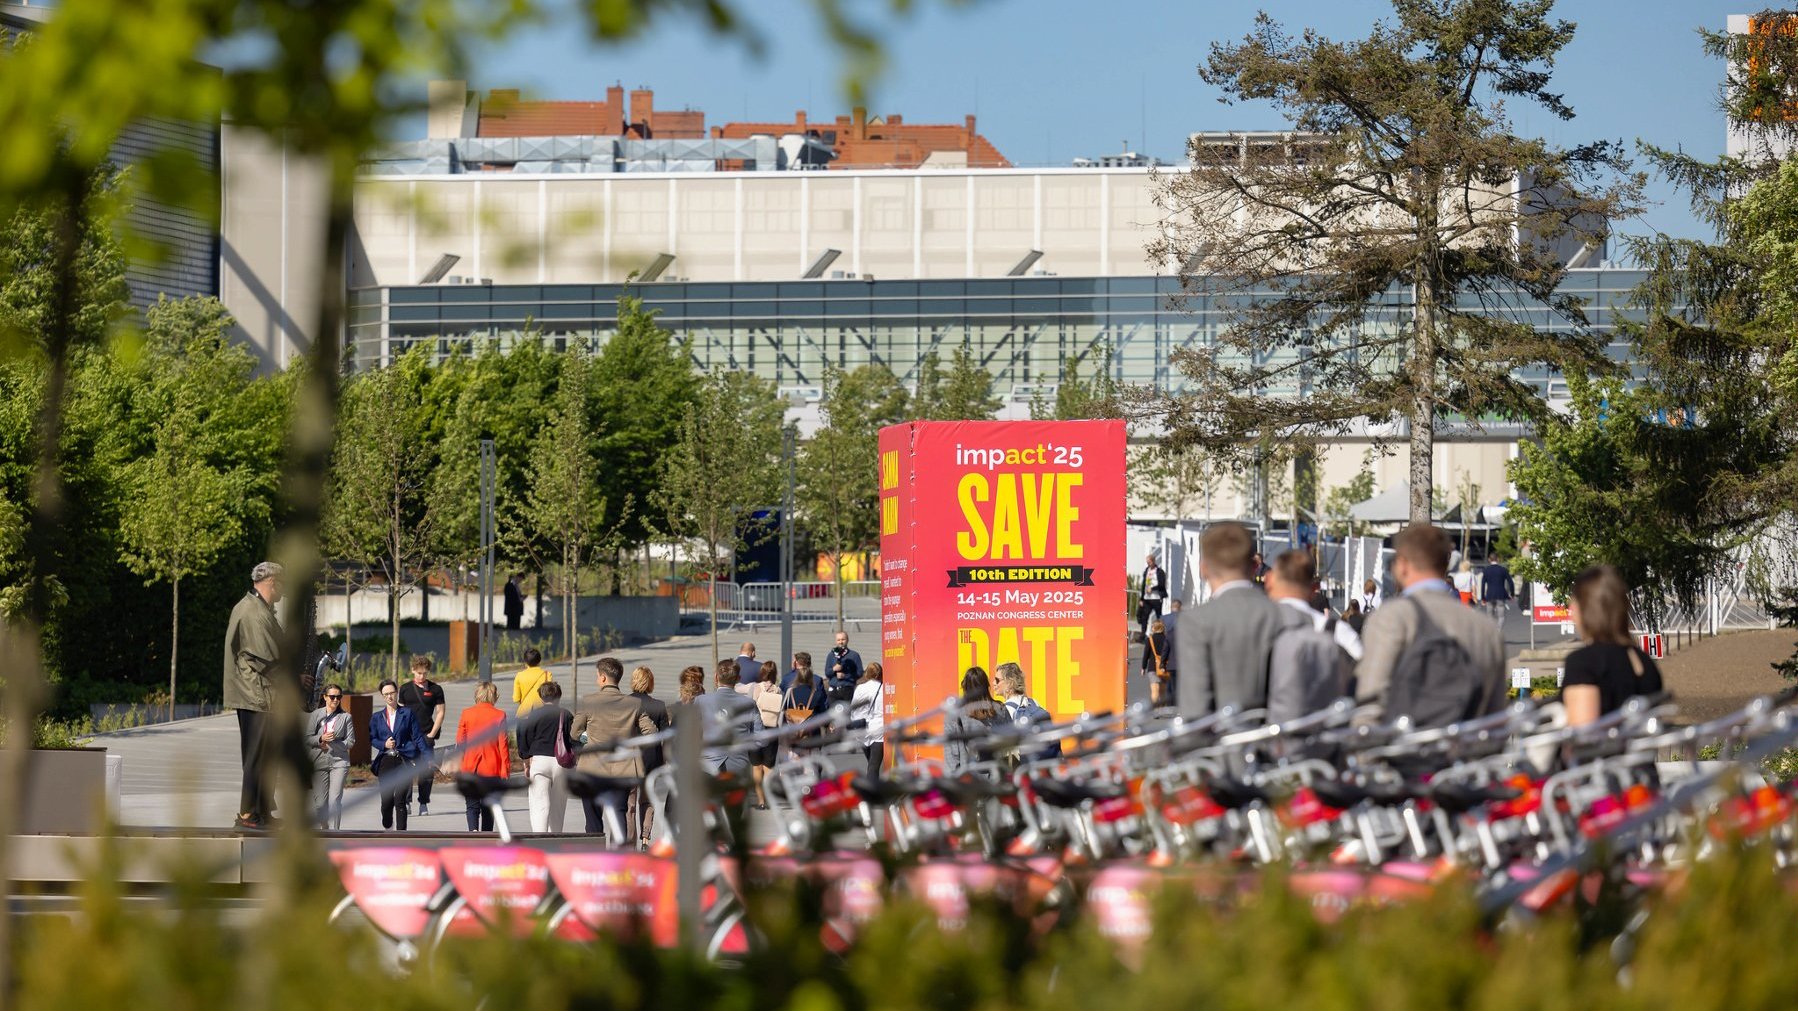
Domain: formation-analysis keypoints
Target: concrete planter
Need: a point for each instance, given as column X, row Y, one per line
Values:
column 65, row 792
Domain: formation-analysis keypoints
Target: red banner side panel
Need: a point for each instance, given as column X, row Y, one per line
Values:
column 1012, row 548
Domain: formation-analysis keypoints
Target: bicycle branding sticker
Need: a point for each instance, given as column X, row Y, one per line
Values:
column 625, row 896
column 392, row 885
column 499, row 882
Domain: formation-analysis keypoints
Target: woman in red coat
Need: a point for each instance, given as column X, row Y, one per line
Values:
column 492, row 756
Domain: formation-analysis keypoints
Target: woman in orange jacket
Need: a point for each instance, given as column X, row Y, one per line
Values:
column 492, row 756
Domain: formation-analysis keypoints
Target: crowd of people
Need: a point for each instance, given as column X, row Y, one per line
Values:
column 1267, row 638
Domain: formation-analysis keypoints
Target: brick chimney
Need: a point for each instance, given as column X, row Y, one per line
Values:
column 860, row 131
column 614, row 125
column 643, row 109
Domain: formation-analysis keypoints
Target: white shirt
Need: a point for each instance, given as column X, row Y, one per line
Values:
column 1345, row 636
column 1149, row 592
column 1464, row 582
column 869, row 703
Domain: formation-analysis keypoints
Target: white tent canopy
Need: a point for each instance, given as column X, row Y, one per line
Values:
column 1390, row 506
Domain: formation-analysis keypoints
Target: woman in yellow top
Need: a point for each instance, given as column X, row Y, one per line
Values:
column 525, row 685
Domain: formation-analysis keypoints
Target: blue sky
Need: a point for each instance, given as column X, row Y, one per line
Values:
column 1051, row 80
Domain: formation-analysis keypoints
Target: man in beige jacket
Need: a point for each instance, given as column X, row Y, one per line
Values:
column 1463, row 686
column 252, row 644
column 602, row 720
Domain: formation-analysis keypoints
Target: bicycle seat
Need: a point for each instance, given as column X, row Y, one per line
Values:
column 971, row 788
column 481, row 789
column 1235, row 794
column 587, row 786
column 880, row 792
column 831, row 739
column 1459, row 798
column 1068, row 793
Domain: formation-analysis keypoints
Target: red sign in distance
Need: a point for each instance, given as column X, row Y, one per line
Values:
column 392, row 885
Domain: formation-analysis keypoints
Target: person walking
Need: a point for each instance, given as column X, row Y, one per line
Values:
column 764, row 691
column 601, row 722
column 802, row 693
column 691, row 685
column 867, row 707
column 1152, row 589
column 747, row 665
column 1465, row 582
column 1313, row 658
column 1353, row 616
column 543, row 741
column 1497, row 589
column 641, row 818
column 730, row 719
column 978, row 713
column 395, row 731
column 1371, row 597
column 843, row 669
column 252, row 645
column 1154, row 663
column 514, row 604
column 1426, row 655
column 329, row 738
column 525, row 685
column 492, row 756
column 1225, row 643
column 1610, row 669
column 1009, row 686
column 425, row 698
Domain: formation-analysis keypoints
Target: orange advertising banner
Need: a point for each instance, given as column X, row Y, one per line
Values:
column 1004, row 541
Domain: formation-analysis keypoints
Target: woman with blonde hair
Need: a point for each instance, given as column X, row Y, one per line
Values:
column 764, row 691
column 1610, row 669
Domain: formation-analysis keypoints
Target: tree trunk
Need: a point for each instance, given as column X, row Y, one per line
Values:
column 174, row 641
column 1423, row 401
column 839, row 579
column 711, row 576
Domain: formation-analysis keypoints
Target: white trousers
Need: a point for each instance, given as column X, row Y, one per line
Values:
column 547, row 796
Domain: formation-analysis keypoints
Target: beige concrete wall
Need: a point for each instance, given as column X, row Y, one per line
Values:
column 756, row 226
column 271, row 243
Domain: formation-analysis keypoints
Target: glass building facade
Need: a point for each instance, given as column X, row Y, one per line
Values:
column 1021, row 329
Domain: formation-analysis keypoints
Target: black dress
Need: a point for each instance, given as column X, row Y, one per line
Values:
column 1607, row 667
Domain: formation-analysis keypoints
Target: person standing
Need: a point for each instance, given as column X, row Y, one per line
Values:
column 691, row 685
column 965, row 727
column 1154, row 662
column 726, row 706
column 542, row 738
column 1224, row 647
column 764, row 691
column 1152, row 585
column 1610, row 668
column 514, row 604
column 1425, row 655
column 425, row 698
column 1371, row 597
column 843, row 667
column 492, row 756
column 394, row 730
column 601, row 722
column 641, row 818
column 525, row 696
column 1497, row 589
column 252, row 645
column 1313, row 658
column 329, row 738
column 802, row 693
column 747, row 665
column 868, row 708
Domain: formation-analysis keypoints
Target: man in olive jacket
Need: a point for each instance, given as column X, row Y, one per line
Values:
column 601, row 721
column 252, row 644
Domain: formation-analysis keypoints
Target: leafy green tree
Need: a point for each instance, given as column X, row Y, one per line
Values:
column 563, row 507
column 184, row 501
column 1340, row 499
column 379, row 512
column 1078, row 399
column 838, row 480
column 962, row 393
column 1174, row 478
column 1404, row 173
column 722, row 467
column 644, row 384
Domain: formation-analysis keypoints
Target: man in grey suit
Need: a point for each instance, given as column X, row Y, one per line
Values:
column 1224, row 644
column 1420, row 565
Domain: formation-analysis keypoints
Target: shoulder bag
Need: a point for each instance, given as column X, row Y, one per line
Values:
column 564, row 754
column 795, row 714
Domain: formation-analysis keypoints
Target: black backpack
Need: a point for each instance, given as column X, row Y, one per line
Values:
column 1435, row 681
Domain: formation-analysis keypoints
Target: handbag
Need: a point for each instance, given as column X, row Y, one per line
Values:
column 795, row 714
column 1160, row 671
column 564, row 754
